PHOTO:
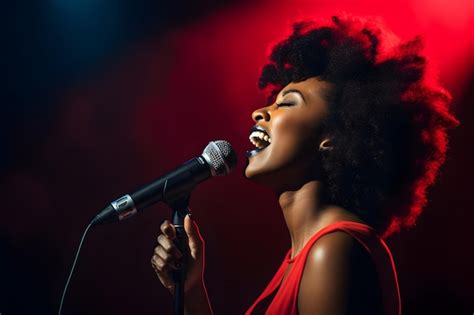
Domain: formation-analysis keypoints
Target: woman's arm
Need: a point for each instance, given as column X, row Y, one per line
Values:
column 339, row 278
column 196, row 301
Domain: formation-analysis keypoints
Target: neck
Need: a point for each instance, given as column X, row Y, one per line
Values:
column 305, row 213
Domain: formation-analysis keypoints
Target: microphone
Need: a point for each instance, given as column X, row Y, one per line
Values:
column 217, row 159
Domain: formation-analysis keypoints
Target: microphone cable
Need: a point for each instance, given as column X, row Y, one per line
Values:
column 72, row 269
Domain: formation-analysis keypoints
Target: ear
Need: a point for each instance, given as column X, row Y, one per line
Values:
column 326, row 144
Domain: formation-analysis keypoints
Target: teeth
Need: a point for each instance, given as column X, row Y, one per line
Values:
column 258, row 139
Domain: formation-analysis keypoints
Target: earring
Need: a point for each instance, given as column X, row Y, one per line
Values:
column 324, row 148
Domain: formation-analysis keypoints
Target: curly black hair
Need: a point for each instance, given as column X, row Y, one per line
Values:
column 388, row 115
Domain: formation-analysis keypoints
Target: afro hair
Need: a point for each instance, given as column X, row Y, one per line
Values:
column 388, row 116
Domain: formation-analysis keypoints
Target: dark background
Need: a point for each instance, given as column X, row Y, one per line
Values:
column 100, row 97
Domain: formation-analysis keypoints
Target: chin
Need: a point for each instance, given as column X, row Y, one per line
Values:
column 248, row 173
column 260, row 176
column 255, row 165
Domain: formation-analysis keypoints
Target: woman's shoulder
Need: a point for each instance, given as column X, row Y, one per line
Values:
column 332, row 242
column 339, row 268
column 336, row 248
column 339, row 246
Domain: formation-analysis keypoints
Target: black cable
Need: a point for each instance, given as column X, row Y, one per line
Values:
column 72, row 269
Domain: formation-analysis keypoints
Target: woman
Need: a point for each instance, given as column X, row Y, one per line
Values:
column 353, row 133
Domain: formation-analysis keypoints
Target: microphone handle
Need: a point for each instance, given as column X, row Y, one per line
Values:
column 180, row 209
column 169, row 188
column 174, row 185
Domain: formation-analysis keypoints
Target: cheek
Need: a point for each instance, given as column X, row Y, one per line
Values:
column 293, row 136
column 293, row 142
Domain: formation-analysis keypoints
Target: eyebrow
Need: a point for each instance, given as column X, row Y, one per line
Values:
column 293, row 91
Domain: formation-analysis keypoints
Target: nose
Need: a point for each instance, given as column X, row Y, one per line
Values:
column 261, row 113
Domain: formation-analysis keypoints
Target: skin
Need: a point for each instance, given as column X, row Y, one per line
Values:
column 339, row 276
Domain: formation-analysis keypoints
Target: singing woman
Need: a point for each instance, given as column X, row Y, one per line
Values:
column 352, row 135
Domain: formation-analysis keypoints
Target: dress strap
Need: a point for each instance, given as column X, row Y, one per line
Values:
column 347, row 226
column 273, row 285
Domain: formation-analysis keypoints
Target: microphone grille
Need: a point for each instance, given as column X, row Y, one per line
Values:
column 220, row 156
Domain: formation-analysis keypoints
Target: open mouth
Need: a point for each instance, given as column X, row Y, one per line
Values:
column 260, row 138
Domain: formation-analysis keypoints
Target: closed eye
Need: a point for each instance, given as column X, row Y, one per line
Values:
column 285, row 104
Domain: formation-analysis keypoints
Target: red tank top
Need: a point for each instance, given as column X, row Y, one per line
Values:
column 285, row 300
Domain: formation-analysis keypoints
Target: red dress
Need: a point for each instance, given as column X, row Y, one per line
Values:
column 285, row 300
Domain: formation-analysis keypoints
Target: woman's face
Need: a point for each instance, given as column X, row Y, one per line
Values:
column 286, row 134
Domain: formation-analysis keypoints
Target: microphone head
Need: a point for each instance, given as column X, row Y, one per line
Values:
column 220, row 156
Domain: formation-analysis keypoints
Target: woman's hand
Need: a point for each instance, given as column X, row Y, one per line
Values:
column 167, row 257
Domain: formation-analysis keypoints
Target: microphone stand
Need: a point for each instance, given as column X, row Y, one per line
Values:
column 180, row 209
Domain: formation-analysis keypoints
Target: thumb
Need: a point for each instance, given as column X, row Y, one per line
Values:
column 194, row 236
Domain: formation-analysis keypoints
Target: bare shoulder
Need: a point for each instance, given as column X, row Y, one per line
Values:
column 332, row 247
column 337, row 269
column 330, row 259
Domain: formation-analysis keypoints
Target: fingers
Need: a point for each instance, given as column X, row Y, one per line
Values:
column 162, row 270
column 168, row 247
column 164, row 265
column 163, row 262
column 168, row 229
column 172, row 260
column 168, row 258
column 166, row 255
column 159, row 264
column 190, row 227
column 192, row 230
